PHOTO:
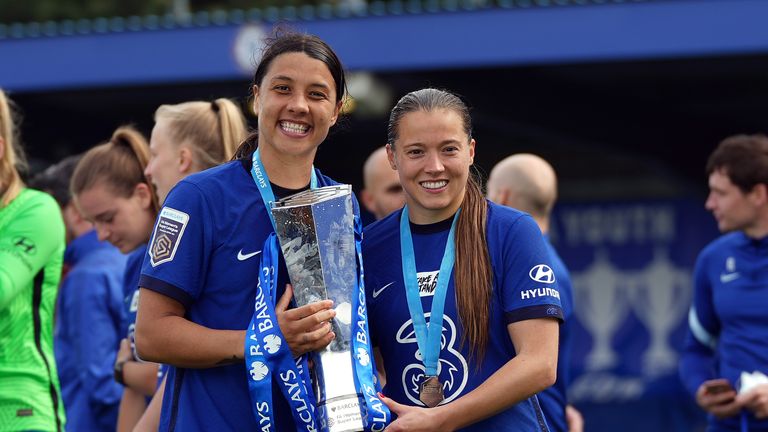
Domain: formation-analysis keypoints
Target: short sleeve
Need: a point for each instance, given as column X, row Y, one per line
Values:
column 528, row 286
column 28, row 241
column 180, row 246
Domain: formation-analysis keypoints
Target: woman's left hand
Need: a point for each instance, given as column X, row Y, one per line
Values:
column 415, row 419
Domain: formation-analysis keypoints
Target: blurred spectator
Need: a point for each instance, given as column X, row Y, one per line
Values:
column 89, row 312
column 31, row 256
column 382, row 193
column 191, row 137
column 728, row 323
column 111, row 191
column 528, row 183
column 187, row 138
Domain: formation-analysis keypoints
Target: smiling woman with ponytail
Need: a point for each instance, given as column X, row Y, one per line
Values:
column 461, row 326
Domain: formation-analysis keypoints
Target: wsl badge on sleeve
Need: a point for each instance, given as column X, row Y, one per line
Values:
column 167, row 235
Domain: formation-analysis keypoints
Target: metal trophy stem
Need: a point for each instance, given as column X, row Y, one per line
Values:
column 316, row 233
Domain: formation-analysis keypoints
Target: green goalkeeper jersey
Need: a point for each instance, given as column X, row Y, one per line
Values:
column 31, row 255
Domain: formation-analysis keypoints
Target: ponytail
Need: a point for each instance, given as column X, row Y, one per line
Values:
column 212, row 130
column 473, row 275
column 119, row 162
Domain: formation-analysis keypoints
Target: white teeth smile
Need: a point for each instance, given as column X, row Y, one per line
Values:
column 434, row 184
column 294, row 127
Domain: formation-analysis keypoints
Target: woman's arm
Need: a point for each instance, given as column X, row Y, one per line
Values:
column 533, row 369
column 163, row 335
column 32, row 236
column 138, row 376
column 150, row 420
column 132, row 406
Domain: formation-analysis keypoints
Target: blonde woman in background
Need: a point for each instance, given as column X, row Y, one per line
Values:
column 191, row 137
column 187, row 138
column 31, row 257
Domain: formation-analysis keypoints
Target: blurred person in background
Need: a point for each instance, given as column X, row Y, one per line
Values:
column 491, row 342
column 187, row 138
column 528, row 183
column 191, row 137
column 31, row 256
column 728, row 323
column 89, row 312
column 111, row 191
column 382, row 193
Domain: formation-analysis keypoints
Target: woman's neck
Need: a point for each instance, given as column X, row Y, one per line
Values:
column 424, row 216
column 288, row 171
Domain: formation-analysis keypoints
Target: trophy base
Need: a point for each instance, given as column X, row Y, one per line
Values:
column 342, row 414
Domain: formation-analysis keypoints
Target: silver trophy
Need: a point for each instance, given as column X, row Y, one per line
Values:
column 316, row 233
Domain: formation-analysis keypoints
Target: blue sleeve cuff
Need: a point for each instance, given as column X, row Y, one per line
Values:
column 533, row 312
column 166, row 289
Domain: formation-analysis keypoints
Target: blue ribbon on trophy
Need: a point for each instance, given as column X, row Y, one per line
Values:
column 268, row 357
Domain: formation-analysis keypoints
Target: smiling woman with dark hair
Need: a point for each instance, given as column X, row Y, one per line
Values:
column 200, row 279
column 464, row 347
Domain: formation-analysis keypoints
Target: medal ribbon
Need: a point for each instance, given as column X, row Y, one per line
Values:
column 427, row 338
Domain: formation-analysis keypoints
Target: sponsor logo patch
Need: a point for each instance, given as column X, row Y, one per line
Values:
column 376, row 292
column 363, row 357
column 258, row 371
column 542, row 273
column 167, row 236
column 25, row 245
column 272, row 343
column 427, row 283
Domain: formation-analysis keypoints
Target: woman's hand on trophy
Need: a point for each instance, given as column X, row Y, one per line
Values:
column 306, row 328
column 415, row 419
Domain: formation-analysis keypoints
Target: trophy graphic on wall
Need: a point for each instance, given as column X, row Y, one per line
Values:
column 660, row 299
column 601, row 307
column 316, row 233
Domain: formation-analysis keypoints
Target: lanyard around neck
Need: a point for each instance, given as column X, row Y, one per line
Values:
column 261, row 179
column 428, row 339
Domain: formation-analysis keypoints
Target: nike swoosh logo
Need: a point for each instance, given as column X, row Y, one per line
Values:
column 242, row 257
column 725, row 278
column 378, row 291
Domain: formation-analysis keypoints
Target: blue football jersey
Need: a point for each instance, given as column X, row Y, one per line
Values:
column 728, row 323
column 131, row 291
column 524, row 287
column 205, row 253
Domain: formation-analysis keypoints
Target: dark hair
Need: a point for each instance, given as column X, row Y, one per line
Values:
column 288, row 42
column 55, row 179
column 743, row 158
column 473, row 275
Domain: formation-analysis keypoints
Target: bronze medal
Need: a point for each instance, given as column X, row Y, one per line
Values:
column 431, row 392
